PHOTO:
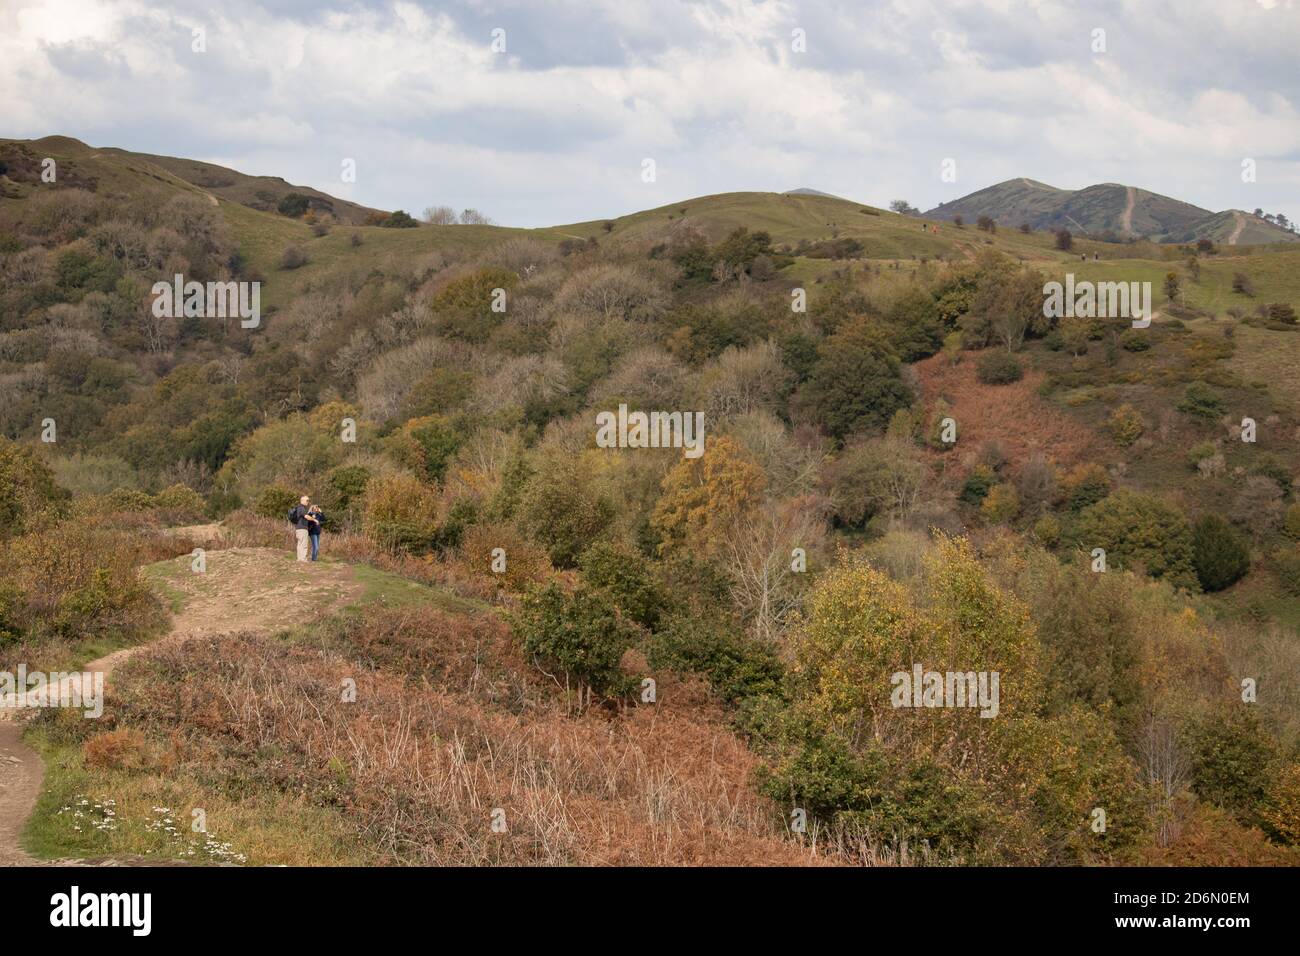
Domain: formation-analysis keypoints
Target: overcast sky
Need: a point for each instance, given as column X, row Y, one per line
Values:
column 556, row 128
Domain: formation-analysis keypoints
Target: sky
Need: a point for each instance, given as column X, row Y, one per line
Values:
column 860, row 99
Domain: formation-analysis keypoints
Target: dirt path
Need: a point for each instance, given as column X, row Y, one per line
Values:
column 1241, row 224
column 20, row 784
column 1126, row 221
column 242, row 589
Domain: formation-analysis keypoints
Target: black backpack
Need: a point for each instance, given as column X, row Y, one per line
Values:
column 293, row 515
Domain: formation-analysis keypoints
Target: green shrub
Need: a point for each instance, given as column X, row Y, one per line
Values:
column 1140, row 531
column 1219, row 553
column 1232, row 756
column 1201, row 401
column 997, row 367
column 346, row 484
column 1133, row 340
column 1001, row 504
column 275, row 502
column 977, row 485
column 1126, row 425
column 128, row 499
column 561, row 508
column 293, row 205
column 856, row 384
column 737, row 666
column 181, row 501
column 1199, row 452
column 27, row 488
column 1047, row 530
column 1085, row 485
column 1270, row 466
column 627, row 576
column 580, row 635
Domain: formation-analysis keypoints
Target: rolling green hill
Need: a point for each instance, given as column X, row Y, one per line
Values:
column 792, row 219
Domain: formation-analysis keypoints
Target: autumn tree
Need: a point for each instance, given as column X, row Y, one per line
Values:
column 703, row 497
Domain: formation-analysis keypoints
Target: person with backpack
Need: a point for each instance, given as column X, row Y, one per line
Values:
column 317, row 519
column 302, row 525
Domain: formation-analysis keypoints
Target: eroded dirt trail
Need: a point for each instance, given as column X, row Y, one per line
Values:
column 242, row 589
column 1126, row 222
column 1241, row 224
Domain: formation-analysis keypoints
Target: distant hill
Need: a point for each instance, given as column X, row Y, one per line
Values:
column 256, row 192
column 1107, row 210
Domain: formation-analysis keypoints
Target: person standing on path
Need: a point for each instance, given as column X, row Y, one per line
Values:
column 300, row 518
column 317, row 519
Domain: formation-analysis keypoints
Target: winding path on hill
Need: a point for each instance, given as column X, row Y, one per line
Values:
column 243, row 589
column 1241, row 224
column 1126, row 221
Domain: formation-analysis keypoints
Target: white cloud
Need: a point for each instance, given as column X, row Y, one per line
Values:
column 554, row 130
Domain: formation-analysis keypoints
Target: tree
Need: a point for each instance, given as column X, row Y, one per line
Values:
column 756, row 555
column 1006, row 306
column 562, row 509
column 857, row 383
column 463, row 308
column 400, row 220
column 472, row 217
column 1171, row 285
column 986, row 224
column 439, row 215
column 27, row 488
column 1219, row 554
column 1140, row 531
column 877, row 476
column 1233, row 755
column 904, row 208
column 703, row 497
column 1064, row 241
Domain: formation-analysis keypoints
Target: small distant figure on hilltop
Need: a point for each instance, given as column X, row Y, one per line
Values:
column 304, row 521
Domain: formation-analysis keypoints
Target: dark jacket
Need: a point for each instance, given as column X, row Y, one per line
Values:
column 299, row 516
column 320, row 523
